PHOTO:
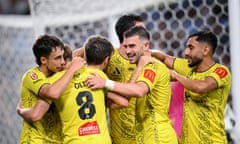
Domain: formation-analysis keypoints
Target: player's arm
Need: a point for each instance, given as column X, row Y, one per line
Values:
column 116, row 101
column 53, row 91
column 197, row 86
column 120, row 101
column 144, row 60
column 35, row 113
column 138, row 89
column 113, row 105
column 167, row 59
column 133, row 89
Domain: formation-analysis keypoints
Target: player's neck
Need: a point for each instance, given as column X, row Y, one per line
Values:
column 44, row 70
column 205, row 65
column 100, row 67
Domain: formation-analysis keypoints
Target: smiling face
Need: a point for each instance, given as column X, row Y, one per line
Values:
column 194, row 52
column 134, row 48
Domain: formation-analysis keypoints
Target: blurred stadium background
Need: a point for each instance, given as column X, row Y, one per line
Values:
column 169, row 22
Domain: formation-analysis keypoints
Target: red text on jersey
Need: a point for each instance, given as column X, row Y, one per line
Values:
column 221, row 72
column 89, row 128
column 149, row 74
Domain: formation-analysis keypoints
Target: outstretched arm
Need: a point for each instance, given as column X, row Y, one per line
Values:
column 138, row 89
column 53, row 91
column 35, row 113
column 167, row 59
column 197, row 86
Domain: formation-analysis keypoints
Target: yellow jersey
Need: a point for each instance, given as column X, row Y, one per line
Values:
column 153, row 125
column 48, row 129
column 122, row 121
column 82, row 111
column 204, row 113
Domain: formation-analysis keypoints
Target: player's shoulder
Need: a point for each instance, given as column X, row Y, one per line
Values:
column 95, row 70
column 159, row 63
column 218, row 65
column 221, row 70
column 34, row 73
column 116, row 53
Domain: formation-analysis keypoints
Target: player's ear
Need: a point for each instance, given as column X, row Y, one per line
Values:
column 43, row 60
column 106, row 60
column 206, row 50
column 146, row 45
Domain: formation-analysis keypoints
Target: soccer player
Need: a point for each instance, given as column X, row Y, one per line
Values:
column 152, row 89
column 81, row 110
column 40, row 127
column 122, row 121
column 207, row 85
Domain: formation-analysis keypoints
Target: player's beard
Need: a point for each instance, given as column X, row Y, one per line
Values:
column 195, row 61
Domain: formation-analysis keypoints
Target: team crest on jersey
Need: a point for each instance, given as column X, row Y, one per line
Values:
column 33, row 76
column 77, row 76
column 89, row 128
column 221, row 72
column 149, row 74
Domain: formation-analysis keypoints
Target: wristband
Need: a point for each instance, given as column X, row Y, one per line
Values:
column 109, row 84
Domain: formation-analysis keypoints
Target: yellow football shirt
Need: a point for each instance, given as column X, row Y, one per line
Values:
column 122, row 121
column 48, row 129
column 204, row 113
column 153, row 125
column 82, row 111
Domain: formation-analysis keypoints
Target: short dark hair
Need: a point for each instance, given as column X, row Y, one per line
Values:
column 139, row 31
column 97, row 48
column 206, row 37
column 67, row 52
column 124, row 23
column 44, row 45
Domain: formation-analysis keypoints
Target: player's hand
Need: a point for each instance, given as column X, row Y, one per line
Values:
column 144, row 60
column 95, row 81
column 173, row 75
column 19, row 107
column 77, row 63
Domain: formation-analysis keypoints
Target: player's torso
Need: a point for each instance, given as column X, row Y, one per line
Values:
column 122, row 120
column 83, row 111
column 48, row 129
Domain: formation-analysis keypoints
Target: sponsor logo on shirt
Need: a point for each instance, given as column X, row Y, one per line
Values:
column 89, row 128
column 33, row 76
column 149, row 74
column 221, row 72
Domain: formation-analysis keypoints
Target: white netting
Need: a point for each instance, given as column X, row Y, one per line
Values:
column 86, row 9
column 15, row 58
column 52, row 12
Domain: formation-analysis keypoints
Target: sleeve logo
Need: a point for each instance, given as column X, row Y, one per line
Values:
column 149, row 74
column 221, row 72
column 33, row 75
